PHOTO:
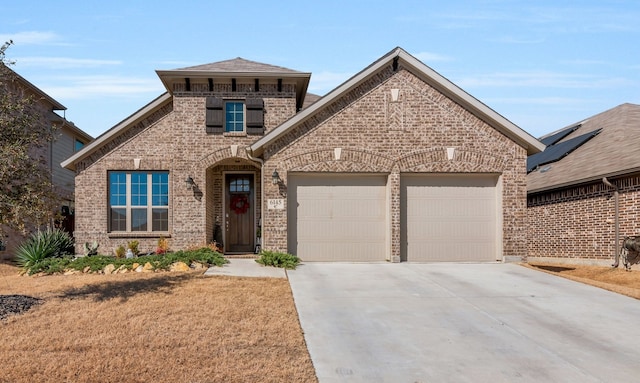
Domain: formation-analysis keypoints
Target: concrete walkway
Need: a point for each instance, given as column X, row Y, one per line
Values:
column 246, row 268
column 462, row 323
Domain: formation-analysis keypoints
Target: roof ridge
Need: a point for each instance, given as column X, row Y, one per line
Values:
column 238, row 64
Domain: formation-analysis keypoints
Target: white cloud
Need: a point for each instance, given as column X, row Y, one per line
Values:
column 30, row 37
column 63, row 62
column 101, row 86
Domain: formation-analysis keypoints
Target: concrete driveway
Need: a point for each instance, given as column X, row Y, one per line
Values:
column 462, row 323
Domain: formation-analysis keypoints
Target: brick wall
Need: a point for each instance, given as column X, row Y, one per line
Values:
column 173, row 138
column 579, row 222
column 377, row 135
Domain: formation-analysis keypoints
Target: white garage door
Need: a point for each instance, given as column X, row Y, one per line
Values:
column 337, row 217
column 450, row 218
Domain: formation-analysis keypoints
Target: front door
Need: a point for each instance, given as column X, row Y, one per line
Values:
column 239, row 213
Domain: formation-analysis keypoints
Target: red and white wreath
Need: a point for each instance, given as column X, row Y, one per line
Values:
column 240, row 203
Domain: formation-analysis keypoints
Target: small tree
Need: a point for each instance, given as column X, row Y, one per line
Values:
column 27, row 198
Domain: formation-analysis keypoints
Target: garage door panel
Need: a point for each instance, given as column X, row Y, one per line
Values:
column 449, row 218
column 338, row 217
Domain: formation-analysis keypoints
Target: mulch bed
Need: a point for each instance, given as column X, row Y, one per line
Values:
column 16, row 304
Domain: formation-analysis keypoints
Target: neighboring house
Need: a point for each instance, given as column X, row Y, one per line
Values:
column 397, row 163
column 571, row 210
column 69, row 139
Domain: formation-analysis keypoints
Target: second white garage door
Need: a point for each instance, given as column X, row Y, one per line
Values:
column 450, row 218
column 337, row 217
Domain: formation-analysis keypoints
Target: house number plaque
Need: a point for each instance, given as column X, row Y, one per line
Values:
column 275, row 204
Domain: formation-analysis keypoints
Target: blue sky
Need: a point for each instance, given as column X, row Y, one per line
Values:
column 541, row 64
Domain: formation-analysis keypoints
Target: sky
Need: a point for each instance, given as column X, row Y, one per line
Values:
column 541, row 64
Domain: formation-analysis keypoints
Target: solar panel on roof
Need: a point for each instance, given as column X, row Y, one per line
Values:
column 558, row 151
column 552, row 139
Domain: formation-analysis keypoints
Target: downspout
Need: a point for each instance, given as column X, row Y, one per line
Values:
column 261, row 162
column 617, row 219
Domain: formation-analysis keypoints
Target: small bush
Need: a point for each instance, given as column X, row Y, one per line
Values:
column 120, row 251
column 163, row 245
column 276, row 259
column 51, row 243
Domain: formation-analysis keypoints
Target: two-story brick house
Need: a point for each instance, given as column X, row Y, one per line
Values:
column 397, row 163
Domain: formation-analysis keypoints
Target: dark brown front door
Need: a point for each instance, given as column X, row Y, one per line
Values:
column 239, row 213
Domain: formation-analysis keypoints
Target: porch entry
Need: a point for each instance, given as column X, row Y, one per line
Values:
column 239, row 212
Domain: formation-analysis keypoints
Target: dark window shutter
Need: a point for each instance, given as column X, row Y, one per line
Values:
column 215, row 115
column 255, row 115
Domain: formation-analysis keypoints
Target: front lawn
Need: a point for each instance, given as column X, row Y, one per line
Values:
column 152, row 327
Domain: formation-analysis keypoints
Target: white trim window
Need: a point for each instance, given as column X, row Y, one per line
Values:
column 138, row 201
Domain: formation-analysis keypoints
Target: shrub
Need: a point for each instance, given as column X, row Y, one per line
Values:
column 276, row 259
column 120, row 251
column 51, row 243
column 163, row 245
column 91, row 249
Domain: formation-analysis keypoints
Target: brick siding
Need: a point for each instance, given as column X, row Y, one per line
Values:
column 377, row 135
column 579, row 222
column 174, row 139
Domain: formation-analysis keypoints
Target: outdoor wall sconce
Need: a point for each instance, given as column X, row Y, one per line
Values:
column 275, row 177
column 189, row 182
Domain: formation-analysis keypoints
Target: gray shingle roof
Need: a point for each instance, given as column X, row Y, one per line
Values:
column 614, row 151
column 238, row 65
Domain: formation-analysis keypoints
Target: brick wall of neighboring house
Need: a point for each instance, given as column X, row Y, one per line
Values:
column 174, row 139
column 579, row 222
column 377, row 135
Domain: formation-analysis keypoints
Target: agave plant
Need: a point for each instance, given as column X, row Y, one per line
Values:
column 50, row 243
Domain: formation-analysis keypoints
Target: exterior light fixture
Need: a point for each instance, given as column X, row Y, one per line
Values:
column 189, row 182
column 275, row 177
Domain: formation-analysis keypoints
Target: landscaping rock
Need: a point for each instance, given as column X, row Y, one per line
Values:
column 179, row 266
column 139, row 268
column 147, row 268
column 121, row 270
column 135, row 266
column 108, row 269
column 71, row 272
column 197, row 266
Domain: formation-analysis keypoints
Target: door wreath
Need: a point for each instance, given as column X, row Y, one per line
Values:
column 239, row 204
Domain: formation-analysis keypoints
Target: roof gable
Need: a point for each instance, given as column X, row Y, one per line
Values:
column 396, row 57
column 608, row 154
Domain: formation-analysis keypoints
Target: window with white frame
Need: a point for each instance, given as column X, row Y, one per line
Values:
column 138, row 201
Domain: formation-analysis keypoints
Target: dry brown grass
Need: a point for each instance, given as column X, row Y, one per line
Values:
column 617, row 280
column 163, row 327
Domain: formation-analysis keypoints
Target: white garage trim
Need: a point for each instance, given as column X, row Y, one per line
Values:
column 450, row 218
column 338, row 217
